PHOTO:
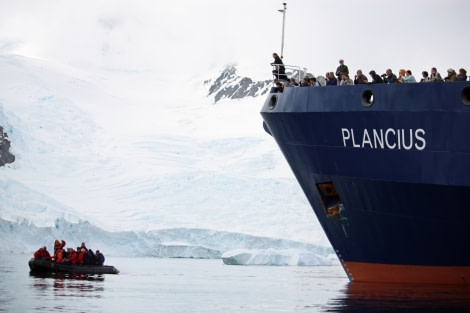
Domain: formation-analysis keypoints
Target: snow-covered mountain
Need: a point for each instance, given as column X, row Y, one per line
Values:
column 136, row 165
column 231, row 86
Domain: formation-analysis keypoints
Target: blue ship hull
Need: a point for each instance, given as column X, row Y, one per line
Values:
column 386, row 169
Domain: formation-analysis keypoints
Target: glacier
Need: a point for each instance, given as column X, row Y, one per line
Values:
column 144, row 169
column 232, row 248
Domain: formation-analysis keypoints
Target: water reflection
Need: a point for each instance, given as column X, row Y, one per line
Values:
column 72, row 276
column 376, row 297
column 68, row 284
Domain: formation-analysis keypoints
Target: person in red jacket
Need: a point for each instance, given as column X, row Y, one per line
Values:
column 83, row 246
column 71, row 256
column 42, row 253
column 80, row 254
column 58, row 255
column 58, row 245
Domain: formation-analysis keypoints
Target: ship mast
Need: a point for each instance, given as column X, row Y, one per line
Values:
column 283, row 11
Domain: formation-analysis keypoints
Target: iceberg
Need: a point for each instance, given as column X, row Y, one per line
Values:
column 281, row 257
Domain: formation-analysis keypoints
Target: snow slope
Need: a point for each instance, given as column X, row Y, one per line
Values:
column 131, row 153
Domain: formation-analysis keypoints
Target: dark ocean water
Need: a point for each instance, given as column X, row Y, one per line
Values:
column 190, row 285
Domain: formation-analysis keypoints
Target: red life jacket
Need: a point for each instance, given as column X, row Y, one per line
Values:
column 80, row 258
column 72, row 258
column 38, row 254
column 46, row 255
column 58, row 256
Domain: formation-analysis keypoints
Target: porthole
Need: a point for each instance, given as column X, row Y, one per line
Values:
column 465, row 96
column 272, row 102
column 367, row 98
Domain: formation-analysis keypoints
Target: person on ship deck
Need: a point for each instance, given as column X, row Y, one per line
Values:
column 426, row 77
column 331, row 79
column 279, row 87
column 451, row 75
column 389, row 77
column 376, row 79
column 293, row 83
column 345, row 80
column 360, row 78
column 305, row 82
column 462, row 75
column 279, row 71
column 314, row 82
column 341, row 69
column 435, row 76
column 408, row 78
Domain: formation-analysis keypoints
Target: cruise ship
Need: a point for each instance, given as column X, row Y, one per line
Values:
column 386, row 170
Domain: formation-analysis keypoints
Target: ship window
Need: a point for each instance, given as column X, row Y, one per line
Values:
column 329, row 198
column 465, row 96
column 367, row 98
column 272, row 102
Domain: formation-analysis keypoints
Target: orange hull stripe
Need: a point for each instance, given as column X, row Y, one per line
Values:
column 370, row 272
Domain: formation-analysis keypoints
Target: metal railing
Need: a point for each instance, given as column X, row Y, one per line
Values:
column 295, row 71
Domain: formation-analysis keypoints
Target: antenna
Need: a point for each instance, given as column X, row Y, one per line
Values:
column 283, row 11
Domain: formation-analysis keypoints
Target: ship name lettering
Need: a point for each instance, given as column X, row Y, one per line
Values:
column 390, row 138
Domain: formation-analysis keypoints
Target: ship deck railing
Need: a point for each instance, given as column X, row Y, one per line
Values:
column 291, row 71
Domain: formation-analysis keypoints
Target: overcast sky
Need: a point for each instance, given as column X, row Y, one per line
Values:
column 183, row 38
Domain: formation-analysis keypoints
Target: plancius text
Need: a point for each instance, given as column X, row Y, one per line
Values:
column 407, row 139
